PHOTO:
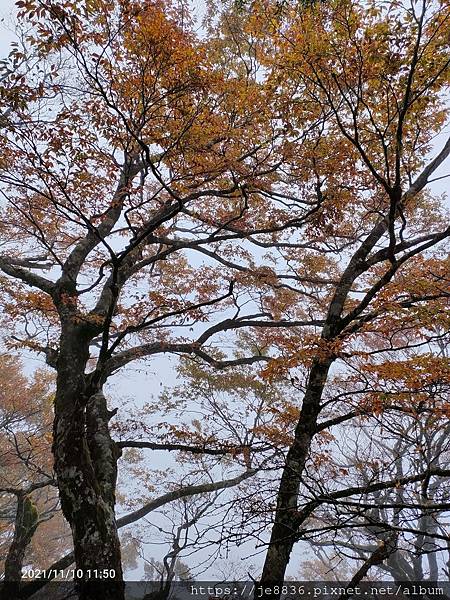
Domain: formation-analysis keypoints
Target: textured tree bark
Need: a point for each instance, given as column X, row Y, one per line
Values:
column 85, row 465
column 284, row 530
column 25, row 525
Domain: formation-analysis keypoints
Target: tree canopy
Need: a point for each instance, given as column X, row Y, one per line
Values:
column 257, row 197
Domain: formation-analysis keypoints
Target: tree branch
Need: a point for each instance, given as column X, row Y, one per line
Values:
column 9, row 266
column 31, row 588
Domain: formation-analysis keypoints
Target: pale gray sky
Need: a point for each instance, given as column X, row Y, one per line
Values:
column 7, row 11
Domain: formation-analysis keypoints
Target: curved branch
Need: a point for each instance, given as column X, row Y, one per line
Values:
column 188, row 448
column 31, row 588
column 10, row 267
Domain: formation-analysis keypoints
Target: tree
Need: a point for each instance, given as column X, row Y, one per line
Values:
column 33, row 532
column 407, row 521
column 374, row 70
column 178, row 109
column 375, row 486
column 29, row 502
column 286, row 151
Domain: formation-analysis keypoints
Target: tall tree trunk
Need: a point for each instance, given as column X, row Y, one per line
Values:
column 85, row 465
column 284, row 530
column 25, row 524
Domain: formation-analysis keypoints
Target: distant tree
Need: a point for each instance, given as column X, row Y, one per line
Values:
column 32, row 529
column 408, row 519
column 376, row 475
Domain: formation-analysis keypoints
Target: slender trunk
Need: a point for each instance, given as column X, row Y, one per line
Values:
column 378, row 556
column 284, row 530
column 26, row 522
column 85, row 465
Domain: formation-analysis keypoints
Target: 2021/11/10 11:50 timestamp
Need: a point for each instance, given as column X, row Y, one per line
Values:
column 69, row 574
